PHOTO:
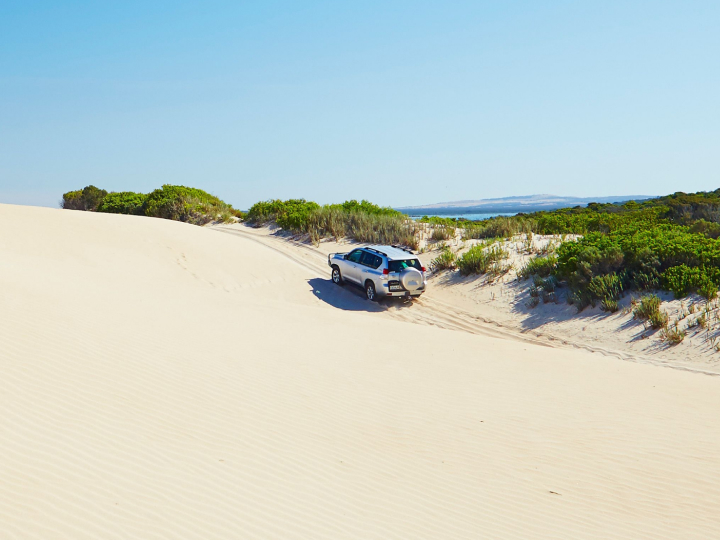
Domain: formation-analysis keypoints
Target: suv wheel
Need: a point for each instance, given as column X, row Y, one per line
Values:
column 336, row 276
column 370, row 291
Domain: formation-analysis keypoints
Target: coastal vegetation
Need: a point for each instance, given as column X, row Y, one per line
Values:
column 604, row 251
column 362, row 221
column 668, row 243
column 179, row 203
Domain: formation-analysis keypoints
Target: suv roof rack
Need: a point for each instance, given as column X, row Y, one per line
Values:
column 376, row 251
column 406, row 250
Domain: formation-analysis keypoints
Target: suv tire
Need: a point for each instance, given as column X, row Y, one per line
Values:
column 370, row 292
column 336, row 276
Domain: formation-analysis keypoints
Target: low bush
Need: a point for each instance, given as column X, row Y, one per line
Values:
column 646, row 307
column 481, row 259
column 702, row 321
column 190, row 205
column 609, row 305
column 707, row 228
column 442, row 232
column 276, row 210
column 447, row 222
column 445, row 261
column 498, row 227
column 540, row 266
column 178, row 203
column 89, row 199
column 709, row 291
column 550, row 283
column 548, row 296
column 682, row 279
column 544, row 288
column 366, row 207
column 605, row 287
column 673, row 336
column 123, row 202
column 658, row 319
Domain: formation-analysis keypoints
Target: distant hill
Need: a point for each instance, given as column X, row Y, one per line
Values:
column 527, row 203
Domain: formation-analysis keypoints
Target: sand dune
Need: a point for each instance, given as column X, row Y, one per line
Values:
column 161, row 380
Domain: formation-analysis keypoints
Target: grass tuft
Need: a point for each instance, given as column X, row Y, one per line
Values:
column 481, row 259
column 540, row 266
column 445, row 261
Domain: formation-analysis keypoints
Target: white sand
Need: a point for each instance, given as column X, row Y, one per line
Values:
column 161, row 380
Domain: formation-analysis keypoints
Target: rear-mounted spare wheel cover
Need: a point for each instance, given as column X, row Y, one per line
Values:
column 411, row 279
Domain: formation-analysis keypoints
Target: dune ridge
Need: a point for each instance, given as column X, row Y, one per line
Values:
column 162, row 380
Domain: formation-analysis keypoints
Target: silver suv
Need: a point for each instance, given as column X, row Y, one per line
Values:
column 380, row 270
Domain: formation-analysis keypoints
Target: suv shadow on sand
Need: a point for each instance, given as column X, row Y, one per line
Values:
column 351, row 298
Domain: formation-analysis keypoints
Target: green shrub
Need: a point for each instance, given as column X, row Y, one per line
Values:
column 445, row 261
column 609, row 305
column 124, row 202
column 540, row 266
column 707, row 228
column 179, row 203
column 709, row 291
column 444, row 221
column 497, row 227
column 186, row 204
column 366, row 207
column 702, row 321
column 550, row 283
column 480, row 259
column 682, row 280
column 442, row 232
column 605, row 287
column 544, row 288
column 292, row 215
column 646, row 307
column 658, row 319
column 89, row 199
column 673, row 336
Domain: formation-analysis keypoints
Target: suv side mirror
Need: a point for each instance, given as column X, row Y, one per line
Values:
column 345, row 256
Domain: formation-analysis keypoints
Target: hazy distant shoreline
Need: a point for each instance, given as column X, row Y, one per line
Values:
column 511, row 205
column 469, row 216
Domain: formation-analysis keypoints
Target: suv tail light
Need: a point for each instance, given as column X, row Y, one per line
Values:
column 386, row 271
column 423, row 268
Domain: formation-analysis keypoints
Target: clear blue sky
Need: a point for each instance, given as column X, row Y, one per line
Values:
column 398, row 102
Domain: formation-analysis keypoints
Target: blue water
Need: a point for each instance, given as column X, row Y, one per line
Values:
column 472, row 217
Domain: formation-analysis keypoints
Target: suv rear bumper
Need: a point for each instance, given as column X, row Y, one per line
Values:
column 401, row 292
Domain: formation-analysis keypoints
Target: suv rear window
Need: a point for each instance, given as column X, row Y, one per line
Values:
column 368, row 259
column 399, row 266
